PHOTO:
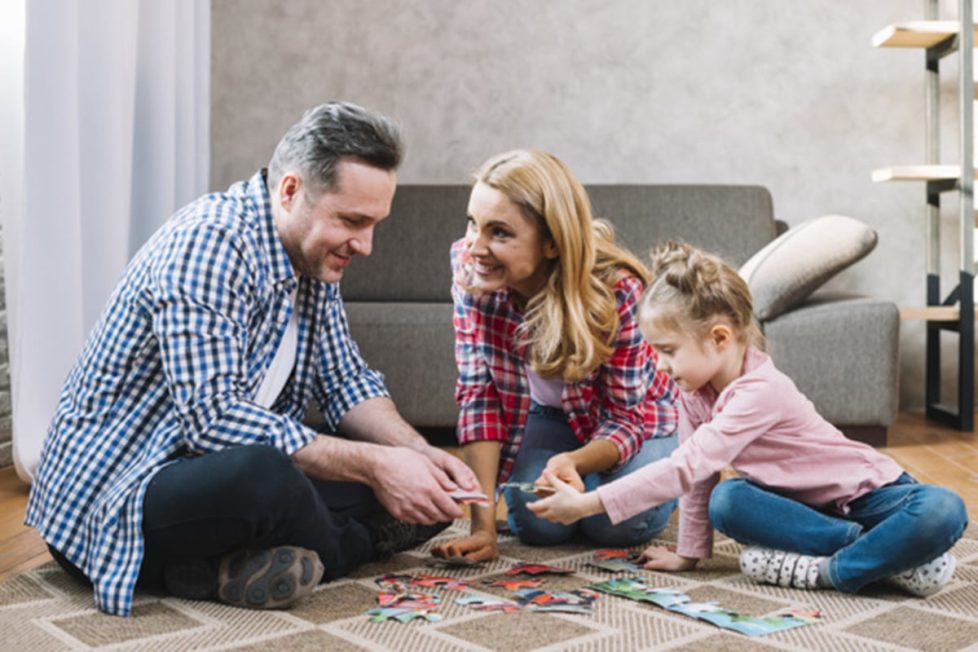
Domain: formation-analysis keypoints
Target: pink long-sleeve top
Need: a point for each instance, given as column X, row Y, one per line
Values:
column 762, row 426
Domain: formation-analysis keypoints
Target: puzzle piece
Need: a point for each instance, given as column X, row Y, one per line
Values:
column 529, row 487
column 577, row 601
column 383, row 614
column 467, row 497
column 536, row 569
column 515, row 585
column 443, row 581
column 487, row 603
column 711, row 612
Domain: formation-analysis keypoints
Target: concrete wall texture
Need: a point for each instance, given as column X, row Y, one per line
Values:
column 788, row 95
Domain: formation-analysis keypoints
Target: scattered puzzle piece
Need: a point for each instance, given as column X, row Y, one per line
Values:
column 383, row 614
column 515, row 585
column 487, row 603
column 537, row 569
column 443, row 581
column 673, row 600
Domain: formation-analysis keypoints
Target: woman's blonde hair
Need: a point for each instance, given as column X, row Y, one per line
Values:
column 570, row 326
column 693, row 290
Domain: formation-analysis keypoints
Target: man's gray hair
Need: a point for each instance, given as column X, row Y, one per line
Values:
column 329, row 132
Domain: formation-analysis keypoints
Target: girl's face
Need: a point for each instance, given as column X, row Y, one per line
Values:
column 692, row 359
column 506, row 247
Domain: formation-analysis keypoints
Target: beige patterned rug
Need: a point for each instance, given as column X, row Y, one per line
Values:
column 44, row 609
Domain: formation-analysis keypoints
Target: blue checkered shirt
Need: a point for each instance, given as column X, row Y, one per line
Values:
column 171, row 369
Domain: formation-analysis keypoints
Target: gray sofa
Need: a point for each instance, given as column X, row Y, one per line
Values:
column 841, row 350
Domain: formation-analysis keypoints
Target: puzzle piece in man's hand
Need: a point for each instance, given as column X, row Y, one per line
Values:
column 383, row 614
column 466, row 497
column 515, row 585
column 487, row 603
column 537, row 569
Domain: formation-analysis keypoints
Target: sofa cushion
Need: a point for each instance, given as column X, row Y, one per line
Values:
column 796, row 263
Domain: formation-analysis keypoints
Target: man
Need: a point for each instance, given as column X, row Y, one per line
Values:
column 177, row 456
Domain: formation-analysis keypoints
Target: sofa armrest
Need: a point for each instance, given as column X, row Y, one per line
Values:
column 842, row 351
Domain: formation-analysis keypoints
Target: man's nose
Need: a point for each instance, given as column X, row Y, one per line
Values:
column 363, row 244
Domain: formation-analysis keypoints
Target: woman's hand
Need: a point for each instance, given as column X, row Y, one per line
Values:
column 478, row 546
column 567, row 504
column 662, row 558
column 562, row 465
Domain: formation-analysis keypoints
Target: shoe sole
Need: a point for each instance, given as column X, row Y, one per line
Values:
column 268, row 579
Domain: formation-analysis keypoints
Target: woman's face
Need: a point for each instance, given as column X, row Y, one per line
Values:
column 506, row 247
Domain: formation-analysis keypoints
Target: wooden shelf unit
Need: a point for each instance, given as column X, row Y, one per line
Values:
column 956, row 311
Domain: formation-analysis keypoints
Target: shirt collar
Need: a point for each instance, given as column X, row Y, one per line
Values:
column 281, row 267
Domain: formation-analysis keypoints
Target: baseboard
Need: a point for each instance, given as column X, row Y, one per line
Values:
column 872, row 435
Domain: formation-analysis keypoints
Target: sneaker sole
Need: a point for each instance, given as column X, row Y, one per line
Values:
column 268, row 579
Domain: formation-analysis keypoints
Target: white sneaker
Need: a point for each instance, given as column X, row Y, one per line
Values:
column 788, row 569
column 926, row 579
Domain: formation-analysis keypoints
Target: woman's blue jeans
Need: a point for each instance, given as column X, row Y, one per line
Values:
column 887, row 531
column 547, row 434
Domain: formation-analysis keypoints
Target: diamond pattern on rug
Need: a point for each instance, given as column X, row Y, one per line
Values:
column 20, row 589
column 725, row 643
column 148, row 619
column 523, row 630
column 309, row 641
column 918, row 629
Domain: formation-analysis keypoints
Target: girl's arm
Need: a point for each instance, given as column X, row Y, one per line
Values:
column 483, row 458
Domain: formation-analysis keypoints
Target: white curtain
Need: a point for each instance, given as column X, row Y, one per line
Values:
column 114, row 139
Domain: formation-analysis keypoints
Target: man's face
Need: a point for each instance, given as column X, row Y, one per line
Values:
column 323, row 234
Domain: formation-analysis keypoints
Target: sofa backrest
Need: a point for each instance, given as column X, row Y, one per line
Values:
column 410, row 260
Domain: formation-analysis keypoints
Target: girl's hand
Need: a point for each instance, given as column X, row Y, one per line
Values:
column 563, row 467
column 662, row 558
column 567, row 504
column 478, row 546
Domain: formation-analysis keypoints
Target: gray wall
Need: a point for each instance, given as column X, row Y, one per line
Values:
column 790, row 95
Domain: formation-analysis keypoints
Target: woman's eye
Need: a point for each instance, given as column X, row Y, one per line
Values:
column 500, row 233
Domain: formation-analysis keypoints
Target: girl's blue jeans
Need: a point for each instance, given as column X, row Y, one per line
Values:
column 547, row 434
column 887, row 531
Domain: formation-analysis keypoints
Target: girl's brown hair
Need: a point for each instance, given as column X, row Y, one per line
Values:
column 692, row 289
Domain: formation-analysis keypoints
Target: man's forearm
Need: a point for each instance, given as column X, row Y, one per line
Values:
column 377, row 420
column 334, row 458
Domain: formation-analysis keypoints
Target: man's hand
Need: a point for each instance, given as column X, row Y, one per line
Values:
column 478, row 546
column 562, row 466
column 412, row 487
column 567, row 505
column 460, row 475
column 662, row 558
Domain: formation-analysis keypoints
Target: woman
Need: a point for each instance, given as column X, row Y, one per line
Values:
column 553, row 371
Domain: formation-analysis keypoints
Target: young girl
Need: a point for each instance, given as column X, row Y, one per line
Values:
column 814, row 508
column 553, row 370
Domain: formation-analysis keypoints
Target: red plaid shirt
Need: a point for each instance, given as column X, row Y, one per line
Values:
column 625, row 400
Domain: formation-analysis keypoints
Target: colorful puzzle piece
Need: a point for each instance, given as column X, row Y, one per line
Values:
column 536, row 569
column 383, row 614
column 487, row 603
column 711, row 612
column 433, row 581
column 515, row 585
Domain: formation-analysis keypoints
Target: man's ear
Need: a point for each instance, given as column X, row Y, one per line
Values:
column 288, row 190
column 721, row 335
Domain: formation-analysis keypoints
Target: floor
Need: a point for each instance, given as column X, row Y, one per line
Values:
column 932, row 453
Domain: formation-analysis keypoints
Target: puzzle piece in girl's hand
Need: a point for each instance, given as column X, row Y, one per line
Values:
column 383, row 614
column 465, row 497
column 451, row 562
column 432, row 581
column 515, row 585
column 487, row 603
column 537, row 569
column 530, row 488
